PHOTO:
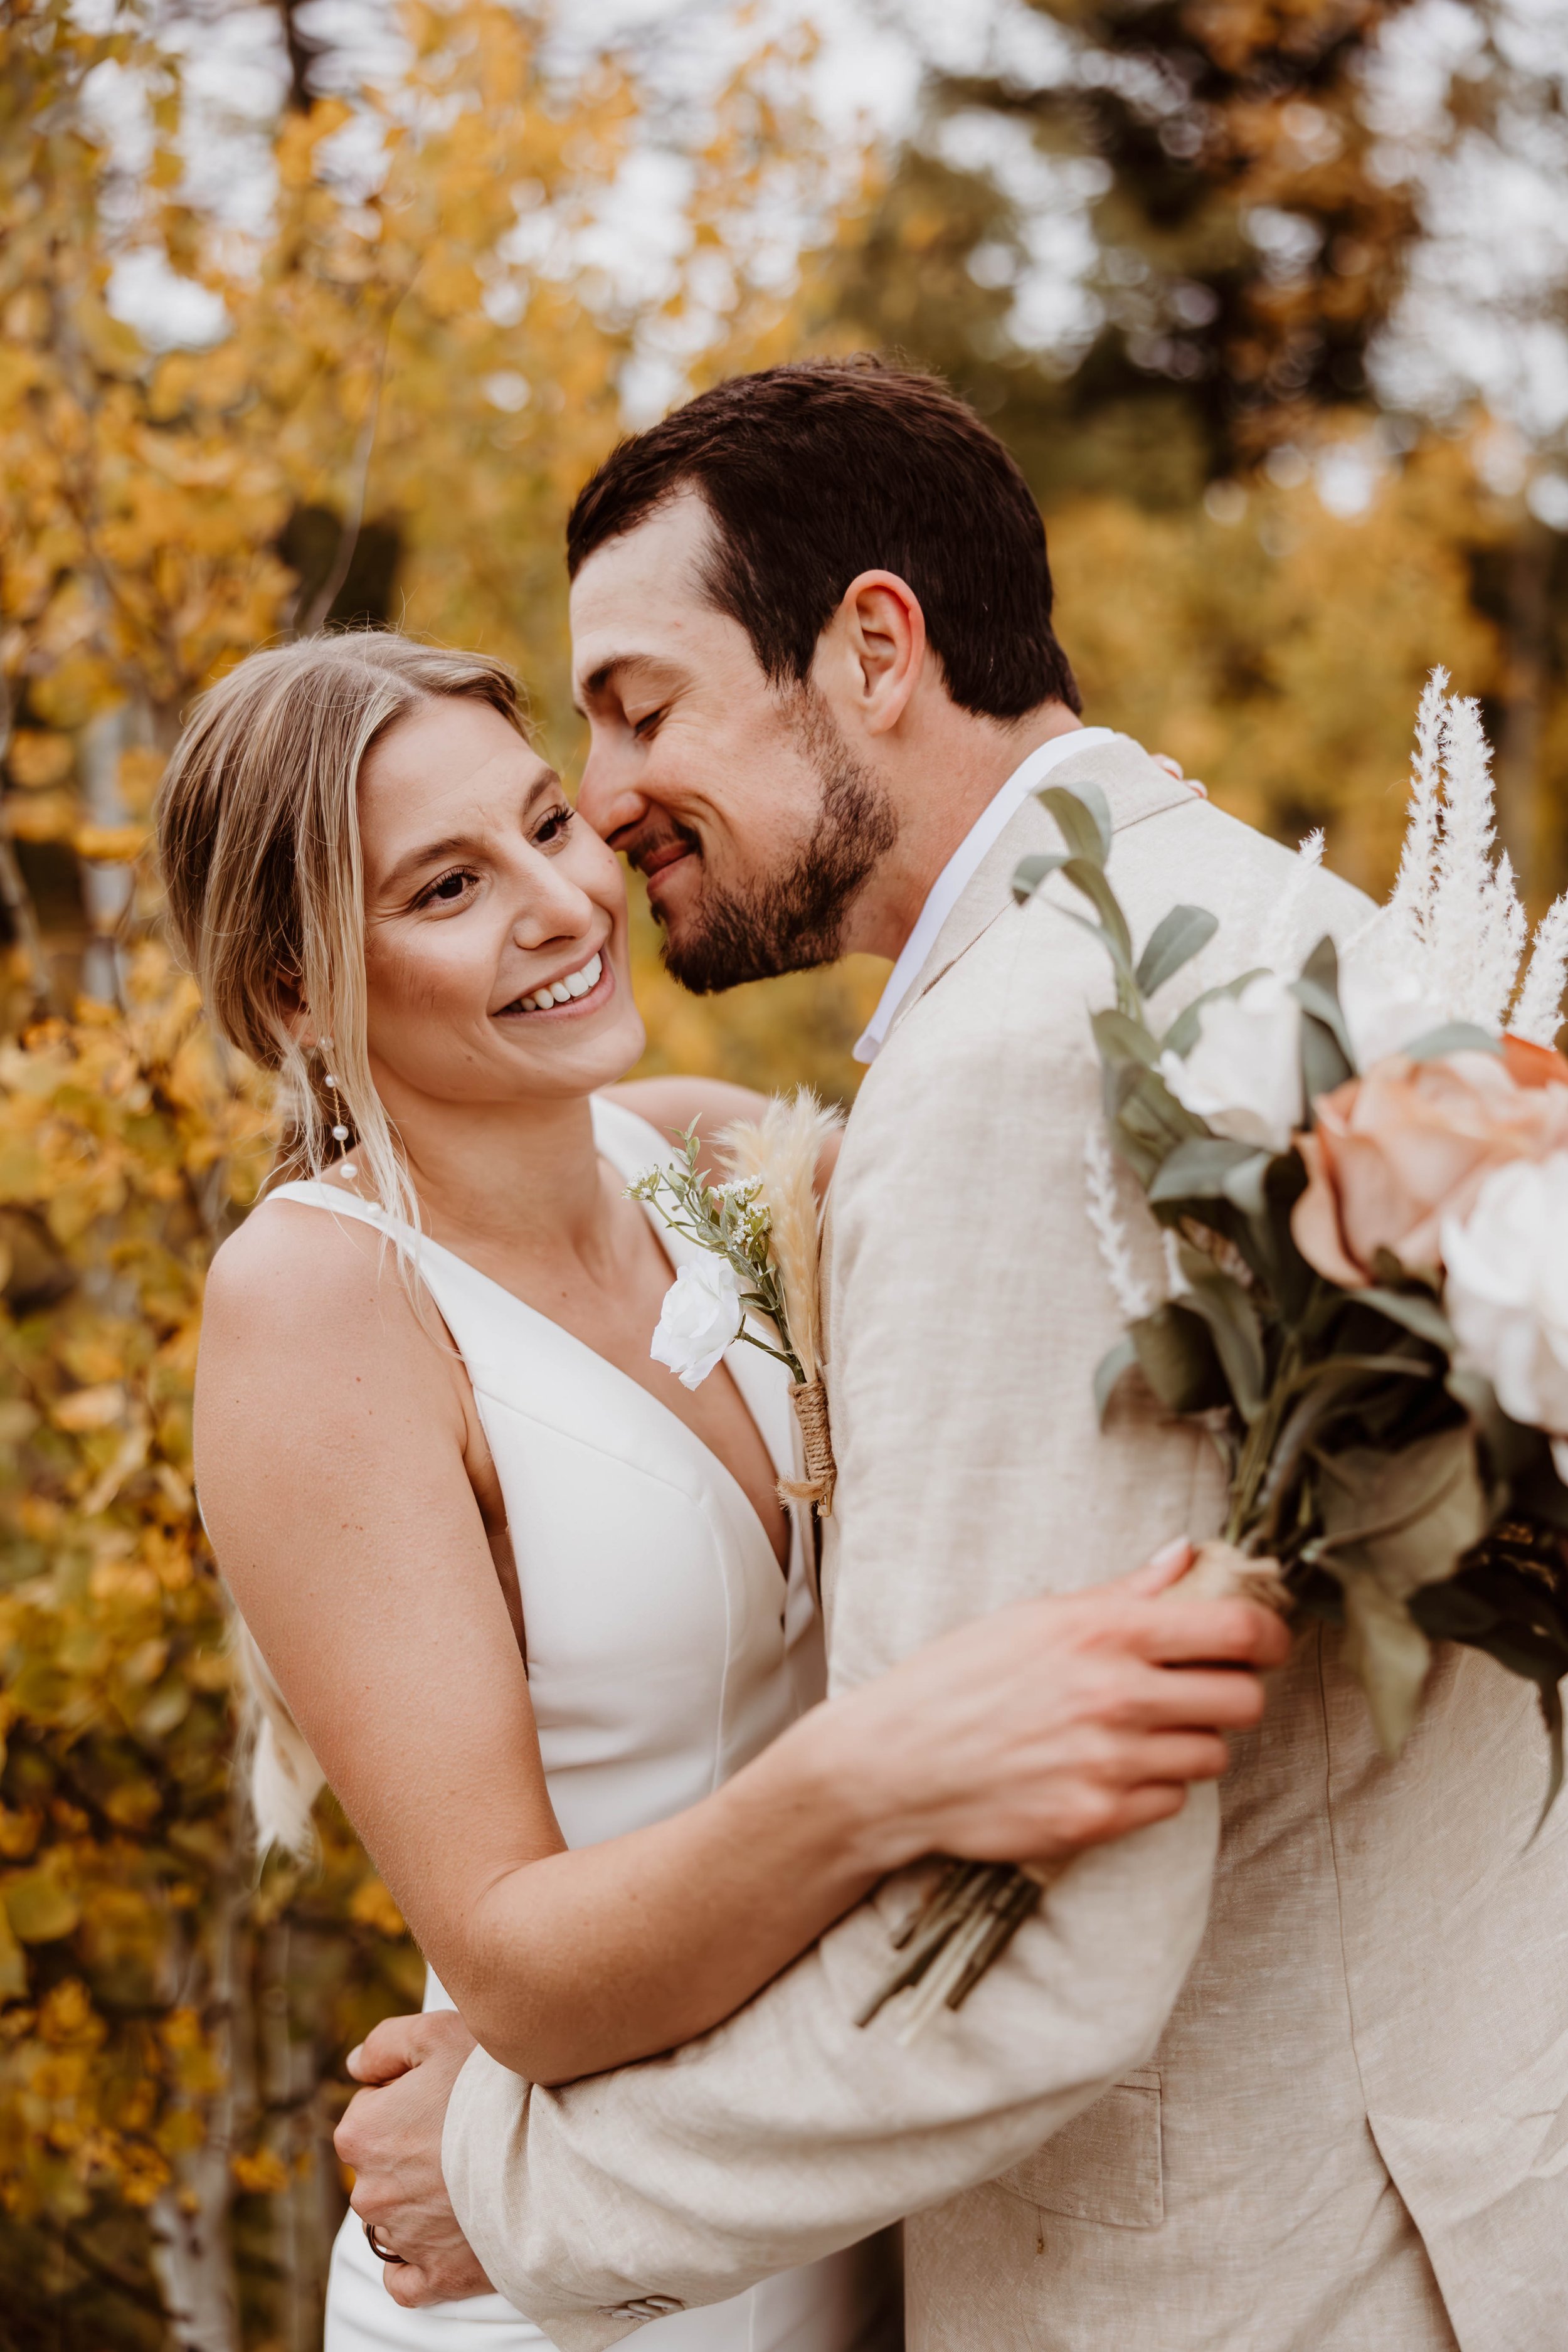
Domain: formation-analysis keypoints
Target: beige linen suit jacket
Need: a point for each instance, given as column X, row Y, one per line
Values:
column 1333, row 2122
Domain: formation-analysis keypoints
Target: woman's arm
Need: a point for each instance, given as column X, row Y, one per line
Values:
column 338, row 1451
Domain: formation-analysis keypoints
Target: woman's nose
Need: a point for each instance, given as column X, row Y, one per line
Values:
column 551, row 904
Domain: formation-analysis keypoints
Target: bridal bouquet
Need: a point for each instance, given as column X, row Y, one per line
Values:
column 760, row 1231
column 1359, row 1166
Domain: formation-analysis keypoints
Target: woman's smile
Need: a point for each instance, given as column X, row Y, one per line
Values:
column 584, row 988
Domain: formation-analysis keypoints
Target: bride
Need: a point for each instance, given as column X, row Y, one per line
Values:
column 536, row 1607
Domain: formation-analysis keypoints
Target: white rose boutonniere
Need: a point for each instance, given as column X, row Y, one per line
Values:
column 760, row 1232
column 702, row 1316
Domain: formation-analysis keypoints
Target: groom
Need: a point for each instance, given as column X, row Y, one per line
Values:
column 1308, row 2097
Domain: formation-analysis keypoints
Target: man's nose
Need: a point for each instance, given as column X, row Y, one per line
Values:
column 610, row 799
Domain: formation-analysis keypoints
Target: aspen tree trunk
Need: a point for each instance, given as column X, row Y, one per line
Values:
column 193, row 2260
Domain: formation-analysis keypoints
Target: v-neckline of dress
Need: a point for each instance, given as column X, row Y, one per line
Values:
column 373, row 1213
column 574, row 1339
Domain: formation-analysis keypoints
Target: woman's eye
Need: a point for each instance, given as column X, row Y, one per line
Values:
column 557, row 822
column 448, row 891
column 646, row 727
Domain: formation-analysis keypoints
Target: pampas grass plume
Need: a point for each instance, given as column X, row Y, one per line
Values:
column 782, row 1149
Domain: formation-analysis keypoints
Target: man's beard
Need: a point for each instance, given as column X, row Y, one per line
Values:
column 792, row 919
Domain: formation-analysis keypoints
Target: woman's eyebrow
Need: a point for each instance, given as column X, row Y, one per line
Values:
column 455, row 845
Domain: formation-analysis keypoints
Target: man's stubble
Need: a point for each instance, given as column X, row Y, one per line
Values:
column 792, row 918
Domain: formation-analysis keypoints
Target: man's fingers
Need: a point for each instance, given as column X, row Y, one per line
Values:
column 1157, row 1575
column 389, row 2049
column 1238, row 1632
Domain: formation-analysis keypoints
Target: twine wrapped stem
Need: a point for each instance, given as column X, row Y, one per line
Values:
column 809, row 1399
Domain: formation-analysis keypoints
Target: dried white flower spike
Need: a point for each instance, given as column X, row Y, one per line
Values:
column 1538, row 1016
column 1104, row 1211
column 1281, row 946
column 1412, row 898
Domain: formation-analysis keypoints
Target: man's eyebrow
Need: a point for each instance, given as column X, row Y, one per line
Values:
column 599, row 677
column 455, row 844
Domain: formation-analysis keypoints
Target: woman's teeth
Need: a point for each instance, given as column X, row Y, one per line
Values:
column 561, row 992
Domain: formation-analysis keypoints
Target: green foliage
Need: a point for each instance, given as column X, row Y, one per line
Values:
column 1359, row 1458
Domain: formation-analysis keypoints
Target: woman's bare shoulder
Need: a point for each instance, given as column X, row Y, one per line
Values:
column 291, row 1264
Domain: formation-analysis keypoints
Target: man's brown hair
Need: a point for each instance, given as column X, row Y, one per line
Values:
column 826, row 468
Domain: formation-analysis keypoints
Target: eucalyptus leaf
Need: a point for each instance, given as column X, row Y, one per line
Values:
column 1291, row 1281
column 1389, row 1655
column 1109, row 1372
column 1318, row 993
column 1406, row 1519
column 1177, row 1358
column 1451, row 1612
column 1537, row 1492
column 1086, row 876
column 1119, row 954
column 1513, row 1450
column 1324, row 1006
column 1197, row 1170
column 1414, row 1310
column 1452, row 1037
column 1150, row 1116
column 1244, row 1187
column 1122, row 1039
column 1232, row 1324
column 1083, row 817
column 1323, row 966
column 1173, row 942
column 1325, row 1064
column 1030, row 872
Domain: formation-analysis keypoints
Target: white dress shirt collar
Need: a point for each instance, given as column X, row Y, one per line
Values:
column 949, row 887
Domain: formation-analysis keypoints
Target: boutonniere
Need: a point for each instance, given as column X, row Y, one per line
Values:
column 760, row 1229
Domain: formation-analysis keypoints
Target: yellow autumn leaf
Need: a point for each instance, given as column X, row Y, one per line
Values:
column 261, row 2175
column 94, row 1408
column 40, row 1909
column 38, row 757
column 109, row 843
column 12, row 1963
column 373, row 1905
column 45, row 816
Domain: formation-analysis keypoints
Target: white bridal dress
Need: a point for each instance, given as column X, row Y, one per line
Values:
column 665, row 1648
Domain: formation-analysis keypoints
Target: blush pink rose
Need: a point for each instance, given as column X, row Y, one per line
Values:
column 1397, row 1151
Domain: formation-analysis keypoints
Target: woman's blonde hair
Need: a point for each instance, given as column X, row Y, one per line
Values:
column 258, row 844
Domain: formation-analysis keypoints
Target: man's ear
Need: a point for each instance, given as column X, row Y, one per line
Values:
column 875, row 645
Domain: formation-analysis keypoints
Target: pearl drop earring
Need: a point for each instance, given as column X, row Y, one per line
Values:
column 340, row 1132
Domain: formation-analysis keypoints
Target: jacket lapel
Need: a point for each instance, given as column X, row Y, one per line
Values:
column 1134, row 786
